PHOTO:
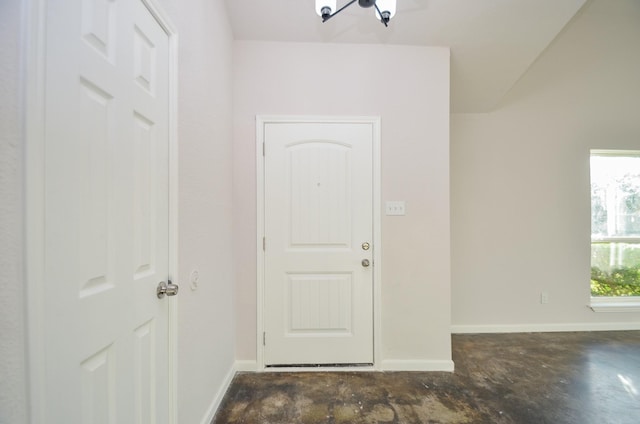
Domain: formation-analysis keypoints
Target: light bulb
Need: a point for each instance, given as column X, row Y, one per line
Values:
column 387, row 7
column 323, row 5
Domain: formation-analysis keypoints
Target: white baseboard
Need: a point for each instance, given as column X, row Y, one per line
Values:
column 416, row 365
column 544, row 328
column 213, row 408
column 246, row 365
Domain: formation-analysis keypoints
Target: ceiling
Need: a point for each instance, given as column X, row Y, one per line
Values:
column 493, row 42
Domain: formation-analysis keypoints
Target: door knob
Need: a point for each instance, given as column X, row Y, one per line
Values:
column 168, row 289
column 365, row 262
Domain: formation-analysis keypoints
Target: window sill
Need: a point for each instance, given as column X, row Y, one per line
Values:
column 615, row 304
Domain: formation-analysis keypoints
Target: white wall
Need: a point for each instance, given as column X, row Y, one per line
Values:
column 520, row 178
column 408, row 87
column 206, row 331
column 13, row 406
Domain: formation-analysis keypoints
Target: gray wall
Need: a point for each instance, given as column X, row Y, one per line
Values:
column 206, row 331
column 13, row 406
column 520, row 179
column 409, row 90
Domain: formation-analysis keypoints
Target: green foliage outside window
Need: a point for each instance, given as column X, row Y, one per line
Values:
column 618, row 282
column 622, row 279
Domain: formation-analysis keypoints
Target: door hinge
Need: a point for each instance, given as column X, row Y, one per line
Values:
column 264, row 244
column 264, row 339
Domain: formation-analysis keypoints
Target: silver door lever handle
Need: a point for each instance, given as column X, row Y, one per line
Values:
column 168, row 289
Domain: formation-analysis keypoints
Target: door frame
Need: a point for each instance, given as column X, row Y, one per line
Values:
column 33, row 84
column 261, row 121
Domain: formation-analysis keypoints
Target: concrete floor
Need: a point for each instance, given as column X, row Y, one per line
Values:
column 584, row 378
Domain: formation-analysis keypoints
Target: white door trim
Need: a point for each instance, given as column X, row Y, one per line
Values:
column 34, row 46
column 261, row 120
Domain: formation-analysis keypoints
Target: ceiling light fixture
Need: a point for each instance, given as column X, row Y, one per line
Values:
column 384, row 9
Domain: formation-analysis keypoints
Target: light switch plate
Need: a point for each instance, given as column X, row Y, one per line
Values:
column 194, row 279
column 395, row 207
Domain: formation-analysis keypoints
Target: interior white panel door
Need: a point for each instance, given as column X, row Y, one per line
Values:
column 106, row 213
column 318, row 214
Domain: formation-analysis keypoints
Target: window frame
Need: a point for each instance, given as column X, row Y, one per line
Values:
column 612, row 303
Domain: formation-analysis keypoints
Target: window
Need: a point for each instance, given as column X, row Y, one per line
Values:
column 615, row 224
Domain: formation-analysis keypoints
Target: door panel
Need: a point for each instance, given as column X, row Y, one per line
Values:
column 318, row 212
column 319, row 174
column 106, row 213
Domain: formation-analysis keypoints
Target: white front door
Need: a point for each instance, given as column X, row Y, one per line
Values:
column 106, row 214
column 318, row 257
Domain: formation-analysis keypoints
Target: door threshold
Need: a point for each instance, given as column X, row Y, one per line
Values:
column 319, row 367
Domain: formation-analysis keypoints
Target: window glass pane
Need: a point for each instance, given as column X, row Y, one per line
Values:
column 615, row 224
column 615, row 256
column 615, row 196
column 615, row 269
